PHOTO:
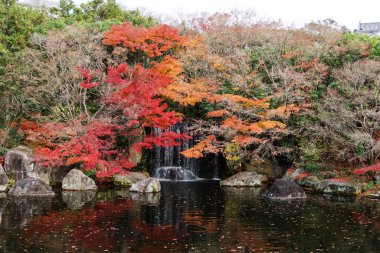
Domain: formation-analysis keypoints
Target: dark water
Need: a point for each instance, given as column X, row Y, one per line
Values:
column 188, row 217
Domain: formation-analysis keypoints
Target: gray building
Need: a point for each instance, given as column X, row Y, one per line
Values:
column 369, row 28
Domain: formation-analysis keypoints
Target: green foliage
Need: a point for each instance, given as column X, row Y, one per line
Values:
column 373, row 42
column 97, row 14
column 10, row 184
column 90, row 173
column 369, row 186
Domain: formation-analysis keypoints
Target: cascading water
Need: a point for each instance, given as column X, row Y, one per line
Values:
column 168, row 162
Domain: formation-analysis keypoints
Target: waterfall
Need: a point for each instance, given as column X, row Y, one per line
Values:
column 168, row 163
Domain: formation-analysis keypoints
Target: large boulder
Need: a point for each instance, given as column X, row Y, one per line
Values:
column 126, row 180
column 31, row 187
column 285, row 189
column 19, row 164
column 336, row 188
column 3, row 179
column 76, row 180
column 149, row 185
column 244, row 179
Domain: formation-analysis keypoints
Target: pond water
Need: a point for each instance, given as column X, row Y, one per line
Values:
column 194, row 216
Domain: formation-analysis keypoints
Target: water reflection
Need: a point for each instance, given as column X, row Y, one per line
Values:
column 77, row 199
column 187, row 217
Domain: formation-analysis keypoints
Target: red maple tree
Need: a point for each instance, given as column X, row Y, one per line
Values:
column 131, row 102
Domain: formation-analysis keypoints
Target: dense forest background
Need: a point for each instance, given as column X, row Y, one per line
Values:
column 84, row 84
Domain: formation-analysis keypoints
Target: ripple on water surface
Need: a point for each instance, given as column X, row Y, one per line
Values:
column 194, row 216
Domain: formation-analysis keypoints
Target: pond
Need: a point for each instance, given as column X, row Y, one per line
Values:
column 194, row 216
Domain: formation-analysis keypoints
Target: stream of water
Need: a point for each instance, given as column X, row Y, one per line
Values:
column 197, row 216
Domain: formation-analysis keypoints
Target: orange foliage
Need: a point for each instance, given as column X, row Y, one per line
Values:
column 218, row 113
column 190, row 93
column 282, row 111
column 206, row 146
column 262, row 103
column 168, row 66
column 270, row 124
column 258, row 127
column 245, row 140
column 76, row 159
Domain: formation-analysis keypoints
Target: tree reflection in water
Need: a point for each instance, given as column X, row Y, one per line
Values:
column 186, row 217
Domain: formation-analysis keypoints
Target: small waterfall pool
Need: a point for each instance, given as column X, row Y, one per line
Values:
column 169, row 164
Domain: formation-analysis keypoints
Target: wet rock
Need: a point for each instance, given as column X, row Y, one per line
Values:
column 307, row 181
column 3, row 179
column 76, row 180
column 244, row 179
column 336, row 188
column 285, row 189
column 373, row 195
column 18, row 162
column 31, row 187
column 128, row 179
column 149, row 185
column 77, row 199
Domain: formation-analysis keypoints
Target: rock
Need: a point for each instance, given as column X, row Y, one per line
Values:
column 128, row 179
column 135, row 156
column 58, row 174
column 31, row 187
column 377, row 177
column 77, row 199
column 40, row 173
column 285, row 189
column 293, row 174
column 149, row 185
column 307, row 181
column 374, row 195
column 18, row 162
column 244, row 179
column 264, row 167
column 3, row 179
column 76, row 180
column 336, row 188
